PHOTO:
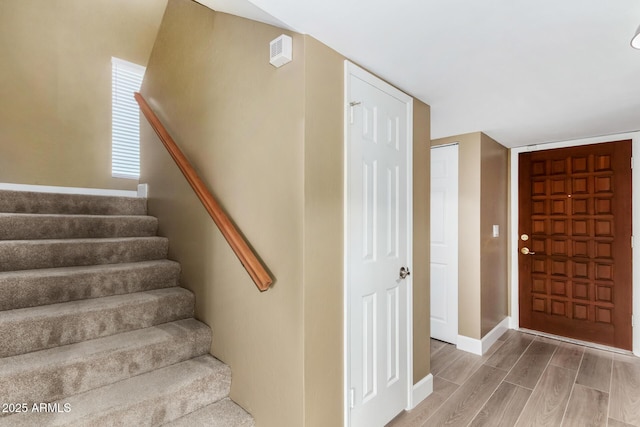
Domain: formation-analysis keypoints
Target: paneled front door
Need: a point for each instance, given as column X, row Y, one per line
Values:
column 575, row 242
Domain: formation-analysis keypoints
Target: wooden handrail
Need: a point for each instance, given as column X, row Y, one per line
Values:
column 245, row 254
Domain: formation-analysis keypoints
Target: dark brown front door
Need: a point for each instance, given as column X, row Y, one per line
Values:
column 575, row 220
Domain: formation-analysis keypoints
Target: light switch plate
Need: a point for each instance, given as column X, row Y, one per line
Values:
column 496, row 230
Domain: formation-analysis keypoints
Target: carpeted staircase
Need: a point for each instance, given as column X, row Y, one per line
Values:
column 93, row 322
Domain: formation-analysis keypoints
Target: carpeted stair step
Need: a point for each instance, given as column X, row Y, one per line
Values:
column 93, row 328
column 33, row 254
column 36, row 226
column 60, row 372
column 29, row 288
column 150, row 399
column 74, row 204
column 224, row 413
column 38, row 328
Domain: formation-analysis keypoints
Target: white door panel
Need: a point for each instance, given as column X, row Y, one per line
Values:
column 444, row 243
column 377, row 247
column 438, row 292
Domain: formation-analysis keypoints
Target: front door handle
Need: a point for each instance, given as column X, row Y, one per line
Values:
column 404, row 272
column 526, row 251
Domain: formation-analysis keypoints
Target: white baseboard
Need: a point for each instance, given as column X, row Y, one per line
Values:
column 421, row 391
column 68, row 190
column 470, row 345
column 491, row 338
column 480, row 347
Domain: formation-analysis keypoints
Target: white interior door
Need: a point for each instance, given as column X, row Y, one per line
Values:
column 378, row 242
column 444, row 243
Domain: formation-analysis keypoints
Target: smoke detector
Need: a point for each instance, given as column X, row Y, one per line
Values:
column 280, row 50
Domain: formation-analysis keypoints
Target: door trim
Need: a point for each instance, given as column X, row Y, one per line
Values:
column 635, row 219
column 351, row 69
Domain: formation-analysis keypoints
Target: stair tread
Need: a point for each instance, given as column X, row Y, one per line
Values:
column 82, row 240
column 150, row 399
column 52, row 374
column 74, row 216
column 83, row 269
column 83, row 306
column 36, row 328
column 38, row 202
column 50, row 253
column 32, row 288
column 225, row 413
column 71, row 215
column 72, row 353
column 21, row 226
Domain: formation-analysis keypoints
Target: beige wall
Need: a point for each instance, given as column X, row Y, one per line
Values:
column 323, row 235
column 55, row 96
column 241, row 122
column 483, row 202
column 493, row 250
column 269, row 143
column 421, row 240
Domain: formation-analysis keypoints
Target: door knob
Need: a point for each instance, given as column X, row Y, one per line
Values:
column 526, row 251
column 404, row 272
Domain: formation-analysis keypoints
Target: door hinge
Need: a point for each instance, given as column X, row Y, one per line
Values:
column 351, row 105
column 631, row 242
column 352, row 398
column 632, row 163
column 632, row 325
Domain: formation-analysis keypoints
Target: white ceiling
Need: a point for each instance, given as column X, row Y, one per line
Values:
column 522, row 71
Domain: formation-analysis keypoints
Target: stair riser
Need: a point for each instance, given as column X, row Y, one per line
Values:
column 151, row 414
column 148, row 400
column 196, row 395
column 35, row 227
column 51, row 375
column 41, row 287
column 24, row 333
column 74, row 204
column 34, row 254
column 224, row 413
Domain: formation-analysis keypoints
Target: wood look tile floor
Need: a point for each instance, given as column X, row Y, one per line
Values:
column 527, row 380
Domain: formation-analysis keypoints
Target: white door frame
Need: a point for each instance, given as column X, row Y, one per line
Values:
column 351, row 69
column 635, row 219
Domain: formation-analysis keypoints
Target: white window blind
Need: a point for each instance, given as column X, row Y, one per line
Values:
column 126, row 79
